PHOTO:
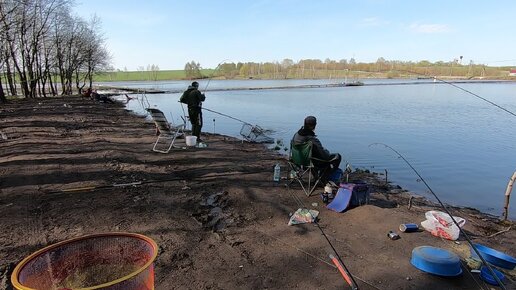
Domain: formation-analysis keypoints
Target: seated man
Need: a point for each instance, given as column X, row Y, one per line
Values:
column 305, row 134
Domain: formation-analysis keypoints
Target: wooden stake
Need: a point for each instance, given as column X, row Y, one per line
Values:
column 508, row 196
column 386, row 179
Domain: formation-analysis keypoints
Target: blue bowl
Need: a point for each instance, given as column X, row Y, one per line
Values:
column 436, row 261
column 494, row 257
column 485, row 274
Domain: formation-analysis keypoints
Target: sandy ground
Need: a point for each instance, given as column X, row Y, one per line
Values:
column 219, row 220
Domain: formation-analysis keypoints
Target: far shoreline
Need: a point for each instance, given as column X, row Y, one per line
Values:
column 122, row 89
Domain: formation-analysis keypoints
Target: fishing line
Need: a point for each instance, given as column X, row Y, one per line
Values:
column 447, row 211
column 300, row 203
column 228, row 116
column 463, row 89
column 251, row 133
column 213, row 74
column 205, row 88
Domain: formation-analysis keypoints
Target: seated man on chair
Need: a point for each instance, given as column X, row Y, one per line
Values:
column 306, row 134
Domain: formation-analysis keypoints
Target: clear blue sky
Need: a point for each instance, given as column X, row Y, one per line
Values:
column 171, row 33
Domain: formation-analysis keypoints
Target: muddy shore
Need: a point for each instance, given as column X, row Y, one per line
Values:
column 219, row 220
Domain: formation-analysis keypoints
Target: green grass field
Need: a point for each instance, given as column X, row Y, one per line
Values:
column 441, row 72
column 162, row 75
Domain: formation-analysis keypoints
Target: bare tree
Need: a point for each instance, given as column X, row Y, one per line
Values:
column 5, row 23
column 40, row 39
column 95, row 55
column 154, row 69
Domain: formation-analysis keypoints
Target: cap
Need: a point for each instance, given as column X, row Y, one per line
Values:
column 311, row 121
column 195, row 84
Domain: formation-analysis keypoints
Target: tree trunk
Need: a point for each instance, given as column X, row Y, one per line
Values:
column 53, row 89
column 3, row 99
column 9, row 75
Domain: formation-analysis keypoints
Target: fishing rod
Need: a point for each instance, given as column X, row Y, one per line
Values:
column 206, row 87
column 447, row 211
column 336, row 260
column 213, row 74
column 250, row 132
column 228, row 116
column 137, row 183
column 462, row 89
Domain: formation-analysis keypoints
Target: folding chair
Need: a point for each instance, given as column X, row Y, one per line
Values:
column 168, row 132
column 301, row 164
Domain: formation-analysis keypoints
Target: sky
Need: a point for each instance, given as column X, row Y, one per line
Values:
column 171, row 33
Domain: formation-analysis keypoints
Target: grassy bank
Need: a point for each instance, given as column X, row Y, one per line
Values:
column 164, row 75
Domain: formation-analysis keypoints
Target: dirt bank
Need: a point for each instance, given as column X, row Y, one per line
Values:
column 219, row 221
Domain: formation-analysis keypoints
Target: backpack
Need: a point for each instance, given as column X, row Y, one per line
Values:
column 183, row 98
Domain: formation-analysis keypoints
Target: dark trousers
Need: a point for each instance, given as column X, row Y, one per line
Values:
column 326, row 169
column 195, row 115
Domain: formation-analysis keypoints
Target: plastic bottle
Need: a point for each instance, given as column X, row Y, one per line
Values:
column 277, row 172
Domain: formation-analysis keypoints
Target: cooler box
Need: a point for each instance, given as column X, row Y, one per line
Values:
column 359, row 193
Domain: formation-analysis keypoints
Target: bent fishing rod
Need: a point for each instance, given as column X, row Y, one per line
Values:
column 213, row 74
column 227, row 116
column 445, row 209
column 207, row 84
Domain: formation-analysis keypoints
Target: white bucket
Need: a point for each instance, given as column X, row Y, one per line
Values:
column 191, row 140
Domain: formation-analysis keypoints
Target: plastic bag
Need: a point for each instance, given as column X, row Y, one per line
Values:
column 441, row 225
column 302, row 216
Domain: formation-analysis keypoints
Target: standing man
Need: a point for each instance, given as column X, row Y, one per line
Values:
column 194, row 98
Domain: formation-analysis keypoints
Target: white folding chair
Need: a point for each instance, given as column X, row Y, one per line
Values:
column 167, row 131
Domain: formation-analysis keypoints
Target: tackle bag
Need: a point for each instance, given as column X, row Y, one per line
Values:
column 359, row 193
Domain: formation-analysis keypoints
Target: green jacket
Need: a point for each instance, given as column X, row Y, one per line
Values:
column 192, row 97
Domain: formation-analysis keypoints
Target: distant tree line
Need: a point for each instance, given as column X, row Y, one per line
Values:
column 315, row 68
column 45, row 49
column 193, row 70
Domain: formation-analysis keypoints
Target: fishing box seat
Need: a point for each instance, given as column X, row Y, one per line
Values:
column 360, row 193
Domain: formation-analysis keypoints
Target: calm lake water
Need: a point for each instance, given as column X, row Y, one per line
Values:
column 462, row 146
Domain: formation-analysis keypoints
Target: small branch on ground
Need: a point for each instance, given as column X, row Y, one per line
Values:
column 500, row 232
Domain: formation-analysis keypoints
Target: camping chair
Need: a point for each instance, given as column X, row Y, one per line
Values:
column 168, row 132
column 301, row 164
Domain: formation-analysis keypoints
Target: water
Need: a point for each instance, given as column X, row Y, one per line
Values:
column 462, row 146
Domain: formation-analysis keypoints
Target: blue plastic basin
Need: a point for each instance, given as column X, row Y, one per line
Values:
column 436, row 261
column 495, row 257
column 485, row 274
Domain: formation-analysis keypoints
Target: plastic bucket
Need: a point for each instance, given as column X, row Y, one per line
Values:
column 104, row 261
column 191, row 140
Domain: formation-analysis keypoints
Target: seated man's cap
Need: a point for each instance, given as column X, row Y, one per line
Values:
column 310, row 120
